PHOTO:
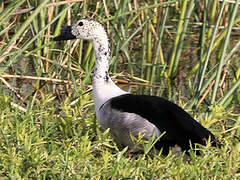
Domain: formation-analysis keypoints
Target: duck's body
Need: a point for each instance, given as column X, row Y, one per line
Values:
column 126, row 114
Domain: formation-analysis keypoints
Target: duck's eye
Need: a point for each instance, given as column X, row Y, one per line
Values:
column 80, row 23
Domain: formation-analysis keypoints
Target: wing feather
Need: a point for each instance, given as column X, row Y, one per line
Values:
column 168, row 117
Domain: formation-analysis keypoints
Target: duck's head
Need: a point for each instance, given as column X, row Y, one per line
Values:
column 88, row 29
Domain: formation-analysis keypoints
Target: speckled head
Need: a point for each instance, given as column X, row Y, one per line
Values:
column 88, row 29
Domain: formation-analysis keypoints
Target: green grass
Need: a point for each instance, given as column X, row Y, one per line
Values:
column 64, row 142
column 48, row 127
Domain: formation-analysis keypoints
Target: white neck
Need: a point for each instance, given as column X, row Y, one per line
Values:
column 103, row 86
column 102, row 54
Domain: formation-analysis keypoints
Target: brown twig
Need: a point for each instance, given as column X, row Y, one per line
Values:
column 120, row 81
column 206, row 93
column 18, row 107
column 11, row 88
column 35, row 78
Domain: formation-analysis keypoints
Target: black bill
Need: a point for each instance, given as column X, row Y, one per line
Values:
column 66, row 34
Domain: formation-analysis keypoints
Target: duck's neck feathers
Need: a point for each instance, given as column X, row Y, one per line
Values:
column 103, row 86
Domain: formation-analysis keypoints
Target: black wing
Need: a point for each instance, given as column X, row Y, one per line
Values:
column 179, row 126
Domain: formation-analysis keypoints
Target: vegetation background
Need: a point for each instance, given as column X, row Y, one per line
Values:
column 184, row 50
